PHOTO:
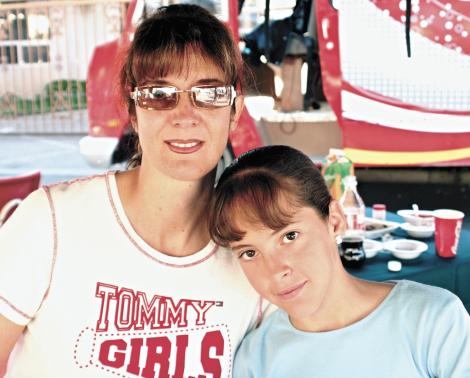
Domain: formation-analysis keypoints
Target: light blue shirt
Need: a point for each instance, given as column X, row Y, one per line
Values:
column 417, row 331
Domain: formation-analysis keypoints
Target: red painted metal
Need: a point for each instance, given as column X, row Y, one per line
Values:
column 435, row 14
column 438, row 22
column 17, row 187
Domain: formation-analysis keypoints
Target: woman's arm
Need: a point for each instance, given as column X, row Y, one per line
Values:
column 9, row 334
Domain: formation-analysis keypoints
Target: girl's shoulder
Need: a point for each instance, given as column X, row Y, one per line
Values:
column 419, row 294
column 416, row 303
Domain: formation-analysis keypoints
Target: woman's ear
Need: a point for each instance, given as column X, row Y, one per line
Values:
column 336, row 220
column 133, row 120
column 235, row 116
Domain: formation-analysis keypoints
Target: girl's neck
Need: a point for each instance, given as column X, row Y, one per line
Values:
column 169, row 215
column 348, row 301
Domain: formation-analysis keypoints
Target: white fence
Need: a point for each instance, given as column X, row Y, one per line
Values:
column 45, row 48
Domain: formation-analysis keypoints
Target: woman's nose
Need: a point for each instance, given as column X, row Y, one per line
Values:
column 185, row 114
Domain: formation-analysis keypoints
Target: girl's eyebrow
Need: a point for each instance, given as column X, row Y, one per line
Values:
column 239, row 246
column 273, row 232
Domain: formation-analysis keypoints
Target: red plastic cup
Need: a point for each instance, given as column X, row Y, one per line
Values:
column 448, row 224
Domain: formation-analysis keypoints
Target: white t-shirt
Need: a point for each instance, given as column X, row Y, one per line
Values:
column 100, row 302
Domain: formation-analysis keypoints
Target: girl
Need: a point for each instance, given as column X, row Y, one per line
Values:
column 272, row 208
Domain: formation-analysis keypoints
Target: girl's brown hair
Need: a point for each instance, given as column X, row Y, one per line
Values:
column 262, row 187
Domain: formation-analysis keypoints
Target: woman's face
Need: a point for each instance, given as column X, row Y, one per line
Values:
column 185, row 143
column 294, row 268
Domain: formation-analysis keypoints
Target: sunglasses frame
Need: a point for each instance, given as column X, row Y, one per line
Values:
column 138, row 92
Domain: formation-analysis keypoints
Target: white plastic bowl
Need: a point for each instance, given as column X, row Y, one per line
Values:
column 376, row 228
column 405, row 249
column 419, row 232
column 419, row 218
column 372, row 247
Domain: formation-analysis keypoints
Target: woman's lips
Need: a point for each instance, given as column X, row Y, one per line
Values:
column 186, row 146
column 291, row 292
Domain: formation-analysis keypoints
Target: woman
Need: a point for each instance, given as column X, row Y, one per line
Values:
column 273, row 209
column 116, row 274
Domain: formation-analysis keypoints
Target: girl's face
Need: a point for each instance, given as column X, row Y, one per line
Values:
column 294, row 268
column 186, row 142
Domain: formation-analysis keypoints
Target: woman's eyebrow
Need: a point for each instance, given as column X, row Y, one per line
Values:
column 205, row 81
column 209, row 81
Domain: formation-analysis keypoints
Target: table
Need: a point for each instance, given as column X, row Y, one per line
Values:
column 451, row 274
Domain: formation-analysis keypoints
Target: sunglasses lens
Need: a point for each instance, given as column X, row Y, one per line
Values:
column 165, row 98
column 212, row 97
column 158, row 98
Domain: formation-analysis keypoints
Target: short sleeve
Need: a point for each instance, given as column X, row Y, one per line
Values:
column 267, row 308
column 450, row 344
column 242, row 368
column 26, row 257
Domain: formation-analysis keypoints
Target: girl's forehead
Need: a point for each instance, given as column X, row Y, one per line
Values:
column 301, row 216
column 273, row 216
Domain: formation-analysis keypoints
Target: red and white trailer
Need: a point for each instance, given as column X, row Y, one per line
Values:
column 396, row 110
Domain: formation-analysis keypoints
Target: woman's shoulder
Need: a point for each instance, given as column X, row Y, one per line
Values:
column 84, row 183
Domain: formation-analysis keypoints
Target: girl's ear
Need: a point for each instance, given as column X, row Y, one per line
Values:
column 336, row 220
column 235, row 116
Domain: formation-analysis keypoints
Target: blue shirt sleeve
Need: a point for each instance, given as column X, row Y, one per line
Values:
column 449, row 348
column 241, row 365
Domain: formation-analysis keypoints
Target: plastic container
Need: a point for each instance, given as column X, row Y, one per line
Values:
column 379, row 211
column 353, row 207
column 335, row 170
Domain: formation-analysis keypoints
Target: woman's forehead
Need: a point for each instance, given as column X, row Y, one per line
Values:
column 197, row 68
column 192, row 68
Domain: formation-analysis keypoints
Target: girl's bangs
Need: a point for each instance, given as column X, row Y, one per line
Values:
column 260, row 204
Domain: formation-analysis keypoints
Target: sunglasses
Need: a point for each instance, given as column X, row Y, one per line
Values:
column 165, row 98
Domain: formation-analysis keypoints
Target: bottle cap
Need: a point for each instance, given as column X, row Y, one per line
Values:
column 350, row 180
column 394, row 266
column 379, row 206
column 336, row 151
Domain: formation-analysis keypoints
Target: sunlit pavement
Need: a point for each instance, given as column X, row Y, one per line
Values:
column 56, row 156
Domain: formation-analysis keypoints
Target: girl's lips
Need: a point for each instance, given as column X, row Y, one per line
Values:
column 187, row 146
column 291, row 292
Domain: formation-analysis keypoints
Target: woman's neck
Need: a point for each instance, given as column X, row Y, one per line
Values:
column 169, row 215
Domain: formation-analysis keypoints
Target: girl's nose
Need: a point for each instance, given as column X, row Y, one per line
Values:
column 278, row 266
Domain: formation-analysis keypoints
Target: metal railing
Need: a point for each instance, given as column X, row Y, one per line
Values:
column 45, row 48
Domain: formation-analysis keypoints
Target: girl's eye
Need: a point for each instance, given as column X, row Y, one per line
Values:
column 247, row 255
column 290, row 237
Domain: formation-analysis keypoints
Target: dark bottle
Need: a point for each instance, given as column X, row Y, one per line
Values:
column 352, row 251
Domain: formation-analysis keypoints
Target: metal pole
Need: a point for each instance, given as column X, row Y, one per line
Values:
column 267, row 31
